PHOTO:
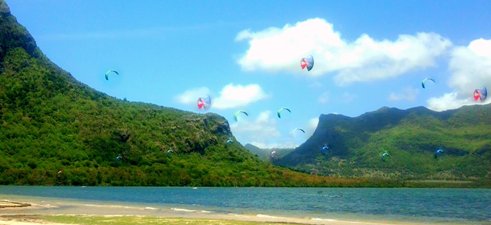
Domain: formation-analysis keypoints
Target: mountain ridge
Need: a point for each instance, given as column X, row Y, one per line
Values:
column 55, row 130
column 412, row 135
column 266, row 154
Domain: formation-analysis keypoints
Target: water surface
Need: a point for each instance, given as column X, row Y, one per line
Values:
column 430, row 205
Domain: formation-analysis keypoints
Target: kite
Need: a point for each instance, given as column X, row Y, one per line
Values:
column 325, row 149
column 204, row 103
column 278, row 113
column 300, row 129
column 385, row 155
column 423, row 83
column 477, row 95
column 438, row 152
column 480, row 94
column 238, row 113
column 307, row 62
column 110, row 72
column 484, row 93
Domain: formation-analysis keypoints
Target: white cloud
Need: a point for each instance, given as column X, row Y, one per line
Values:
column 231, row 96
column 313, row 122
column 274, row 145
column 190, row 96
column 471, row 66
column 471, row 69
column 312, row 125
column 447, row 101
column 234, row 96
column 406, row 94
column 261, row 130
column 365, row 59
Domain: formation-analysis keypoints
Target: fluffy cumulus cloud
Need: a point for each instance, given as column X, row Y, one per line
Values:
column 190, row 96
column 364, row 59
column 312, row 125
column 262, row 131
column 448, row 101
column 406, row 94
column 231, row 96
column 273, row 145
column 234, row 96
column 470, row 67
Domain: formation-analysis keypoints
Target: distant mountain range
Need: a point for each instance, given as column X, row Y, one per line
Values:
column 55, row 130
column 410, row 137
column 270, row 154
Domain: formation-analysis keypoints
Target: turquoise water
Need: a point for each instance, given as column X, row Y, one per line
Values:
column 437, row 205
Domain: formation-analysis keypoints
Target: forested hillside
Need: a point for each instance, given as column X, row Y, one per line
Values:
column 410, row 137
column 55, row 130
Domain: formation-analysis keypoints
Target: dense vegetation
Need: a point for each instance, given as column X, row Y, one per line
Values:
column 266, row 154
column 55, row 130
column 410, row 136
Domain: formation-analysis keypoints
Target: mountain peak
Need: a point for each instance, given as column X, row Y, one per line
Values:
column 386, row 109
column 64, row 125
column 410, row 136
column 4, row 8
column 13, row 35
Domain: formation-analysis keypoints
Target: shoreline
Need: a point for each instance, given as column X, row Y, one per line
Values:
column 12, row 204
column 27, row 210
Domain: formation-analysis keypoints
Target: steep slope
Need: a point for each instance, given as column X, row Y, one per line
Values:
column 260, row 153
column 265, row 154
column 53, row 125
column 55, row 130
column 411, row 137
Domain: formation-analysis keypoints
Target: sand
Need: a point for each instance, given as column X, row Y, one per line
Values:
column 24, row 210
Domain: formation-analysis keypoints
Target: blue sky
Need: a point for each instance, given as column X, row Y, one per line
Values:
column 246, row 55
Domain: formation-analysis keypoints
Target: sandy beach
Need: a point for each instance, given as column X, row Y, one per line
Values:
column 24, row 210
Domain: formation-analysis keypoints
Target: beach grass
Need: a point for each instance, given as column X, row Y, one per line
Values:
column 147, row 220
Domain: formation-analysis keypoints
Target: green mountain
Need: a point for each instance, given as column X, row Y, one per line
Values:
column 55, row 130
column 267, row 154
column 263, row 154
column 409, row 136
